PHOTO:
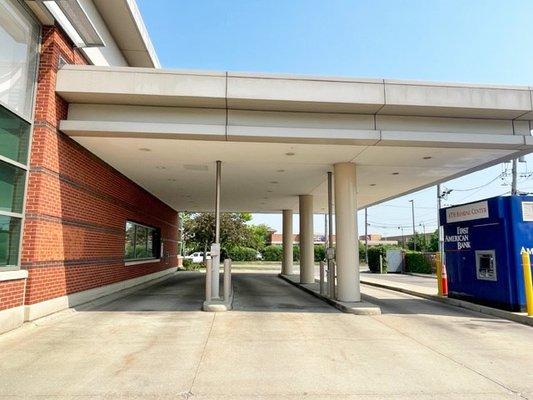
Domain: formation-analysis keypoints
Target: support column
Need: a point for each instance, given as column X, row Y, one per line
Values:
column 347, row 249
column 286, row 266
column 307, row 253
column 215, row 250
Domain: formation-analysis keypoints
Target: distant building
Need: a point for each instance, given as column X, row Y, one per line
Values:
column 373, row 239
column 277, row 238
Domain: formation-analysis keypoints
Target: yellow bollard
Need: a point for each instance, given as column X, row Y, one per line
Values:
column 526, row 266
column 438, row 263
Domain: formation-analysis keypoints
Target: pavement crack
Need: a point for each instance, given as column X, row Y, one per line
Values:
column 502, row 385
column 196, row 373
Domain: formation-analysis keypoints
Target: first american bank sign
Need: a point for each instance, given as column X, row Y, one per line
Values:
column 467, row 212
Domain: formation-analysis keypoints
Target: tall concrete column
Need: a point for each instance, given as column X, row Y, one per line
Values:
column 286, row 266
column 307, row 256
column 347, row 249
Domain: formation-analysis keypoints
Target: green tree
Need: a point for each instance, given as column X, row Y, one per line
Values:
column 419, row 240
column 434, row 241
column 199, row 230
column 259, row 235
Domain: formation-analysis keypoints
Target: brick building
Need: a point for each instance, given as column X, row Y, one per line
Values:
column 72, row 227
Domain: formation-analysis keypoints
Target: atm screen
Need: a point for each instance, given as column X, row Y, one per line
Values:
column 486, row 265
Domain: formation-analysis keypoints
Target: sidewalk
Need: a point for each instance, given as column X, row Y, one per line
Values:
column 426, row 287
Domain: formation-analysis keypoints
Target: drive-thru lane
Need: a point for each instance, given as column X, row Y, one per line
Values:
column 278, row 343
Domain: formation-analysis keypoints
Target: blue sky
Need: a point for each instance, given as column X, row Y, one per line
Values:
column 478, row 41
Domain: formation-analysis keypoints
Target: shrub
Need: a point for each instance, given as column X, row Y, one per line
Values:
column 362, row 252
column 418, row 263
column 188, row 265
column 320, row 252
column 373, row 257
column 241, row 253
column 272, row 253
column 296, row 253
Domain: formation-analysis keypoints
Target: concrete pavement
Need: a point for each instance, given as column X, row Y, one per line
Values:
column 426, row 287
column 279, row 343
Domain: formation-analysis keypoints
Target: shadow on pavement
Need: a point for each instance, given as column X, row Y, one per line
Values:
column 184, row 291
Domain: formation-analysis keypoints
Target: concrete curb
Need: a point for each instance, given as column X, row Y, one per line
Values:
column 359, row 308
column 429, row 276
column 494, row 312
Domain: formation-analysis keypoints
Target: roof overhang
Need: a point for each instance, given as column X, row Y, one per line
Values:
column 140, row 86
column 124, row 21
column 121, row 17
column 278, row 135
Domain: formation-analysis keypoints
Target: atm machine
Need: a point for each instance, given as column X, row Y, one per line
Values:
column 483, row 243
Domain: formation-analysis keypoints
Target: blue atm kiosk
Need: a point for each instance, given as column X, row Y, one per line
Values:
column 483, row 242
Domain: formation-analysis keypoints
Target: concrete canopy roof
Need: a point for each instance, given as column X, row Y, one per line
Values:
column 124, row 21
column 278, row 135
column 139, row 86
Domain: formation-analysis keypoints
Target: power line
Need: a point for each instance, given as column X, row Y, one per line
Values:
column 480, row 186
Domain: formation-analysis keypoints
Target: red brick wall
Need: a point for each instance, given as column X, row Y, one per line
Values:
column 76, row 204
column 11, row 293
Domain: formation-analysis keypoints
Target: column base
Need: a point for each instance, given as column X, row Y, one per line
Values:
column 218, row 305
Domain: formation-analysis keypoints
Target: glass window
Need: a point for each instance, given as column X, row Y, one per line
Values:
column 14, row 136
column 141, row 242
column 9, row 240
column 129, row 250
column 18, row 58
column 12, row 181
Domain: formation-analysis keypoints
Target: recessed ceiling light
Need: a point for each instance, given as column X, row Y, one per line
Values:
column 144, row 149
column 427, row 158
column 274, row 182
column 290, row 153
column 160, row 167
column 395, row 173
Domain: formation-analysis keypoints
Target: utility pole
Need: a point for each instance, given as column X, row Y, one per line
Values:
column 514, row 185
column 440, row 233
column 366, row 235
column 424, row 230
column 403, row 237
column 413, row 217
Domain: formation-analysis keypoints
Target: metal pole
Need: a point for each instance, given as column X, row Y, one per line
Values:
column 227, row 279
column 366, row 235
column 208, row 279
column 526, row 267
column 217, row 202
column 514, row 187
column 330, row 255
column 322, row 266
column 330, row 208
column 326, row 242
column 424, row 231
column 439, row 227
column 413, row 217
